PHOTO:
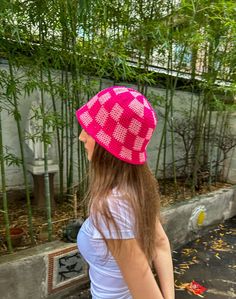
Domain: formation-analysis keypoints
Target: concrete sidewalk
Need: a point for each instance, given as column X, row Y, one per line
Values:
column 209, row 260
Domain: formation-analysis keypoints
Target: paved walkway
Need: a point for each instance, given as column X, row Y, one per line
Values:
column 210, row 261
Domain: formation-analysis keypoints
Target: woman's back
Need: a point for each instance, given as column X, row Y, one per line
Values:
column 106, row 278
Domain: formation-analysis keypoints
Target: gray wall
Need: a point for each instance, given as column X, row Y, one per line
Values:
column 182, row 102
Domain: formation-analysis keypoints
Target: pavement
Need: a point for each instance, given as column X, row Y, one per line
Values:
column 209, row 261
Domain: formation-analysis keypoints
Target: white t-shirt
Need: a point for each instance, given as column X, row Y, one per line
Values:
column 106, row 279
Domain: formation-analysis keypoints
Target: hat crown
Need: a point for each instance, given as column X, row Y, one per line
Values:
column 121, row 120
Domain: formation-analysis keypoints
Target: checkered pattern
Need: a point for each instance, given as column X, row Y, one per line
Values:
column 121, row 120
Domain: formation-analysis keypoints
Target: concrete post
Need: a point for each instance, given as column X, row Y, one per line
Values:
column 37, row 172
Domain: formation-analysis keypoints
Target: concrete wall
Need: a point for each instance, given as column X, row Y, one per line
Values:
column 182, row 101
column 36, row 273
column 14, row 177
column 230, row 163
column 183, row 221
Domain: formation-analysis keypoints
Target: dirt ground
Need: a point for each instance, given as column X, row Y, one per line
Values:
column 65, row 211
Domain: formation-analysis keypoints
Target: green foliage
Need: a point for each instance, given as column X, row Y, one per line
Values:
column 10, row 158
column 63, row 49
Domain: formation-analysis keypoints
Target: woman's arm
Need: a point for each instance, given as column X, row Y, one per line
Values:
column 135, row 269
column 163, row 263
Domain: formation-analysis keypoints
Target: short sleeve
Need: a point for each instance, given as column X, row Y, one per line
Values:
column 122, row 214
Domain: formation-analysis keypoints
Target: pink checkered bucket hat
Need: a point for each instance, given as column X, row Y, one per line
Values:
column 121, row 120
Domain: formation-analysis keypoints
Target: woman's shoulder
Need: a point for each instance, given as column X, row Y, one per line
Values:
column 118, row 197
column 116, row 193
column 118, row 203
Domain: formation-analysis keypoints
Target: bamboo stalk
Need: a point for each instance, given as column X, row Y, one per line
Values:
column 212, row 150
column 59, row 137
column 223, row 126
column 4, row 192
column 45, row 139
column 17, row 118
column 61, row 158
column 46, row 173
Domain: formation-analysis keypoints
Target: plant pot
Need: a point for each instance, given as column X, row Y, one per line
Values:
column 16, row 234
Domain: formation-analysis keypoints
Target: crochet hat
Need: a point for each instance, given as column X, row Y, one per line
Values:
column 121, row 120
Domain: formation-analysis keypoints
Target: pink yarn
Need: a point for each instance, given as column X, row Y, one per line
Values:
column 121, row 120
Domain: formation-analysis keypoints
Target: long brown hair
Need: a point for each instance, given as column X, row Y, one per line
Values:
column 137, row 185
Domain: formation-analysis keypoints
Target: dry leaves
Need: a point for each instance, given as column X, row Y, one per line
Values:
column 215, row 246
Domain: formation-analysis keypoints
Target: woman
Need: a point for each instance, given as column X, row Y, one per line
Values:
column 122, row 237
